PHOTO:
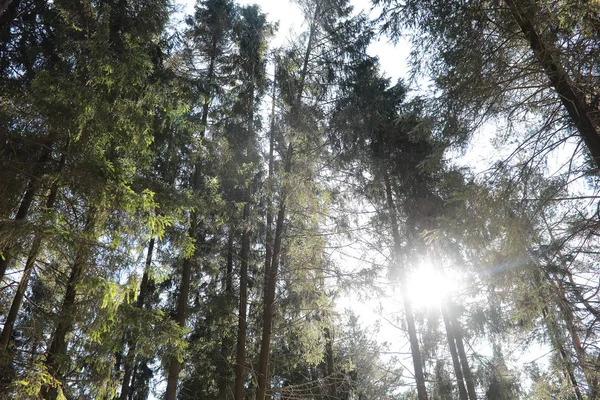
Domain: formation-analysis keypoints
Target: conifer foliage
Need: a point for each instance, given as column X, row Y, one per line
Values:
column 183, row 206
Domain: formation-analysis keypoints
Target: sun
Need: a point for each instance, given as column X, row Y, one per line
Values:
column 429, row 287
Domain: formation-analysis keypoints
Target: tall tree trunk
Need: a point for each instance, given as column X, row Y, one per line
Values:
column 330, row 365
column 240, row 358
column 7, row 250
column 462, row 391
column 134, row 377
column 57, row 352
column 558, row 283
column 6, row 255
column 462, row 354
column 263, row 360
column 272, row 263
column 572, row 98
column 410, row 319
column 186, row 274
column 557, row 343
column 29, row 264
column 145, row 290
column 229, row 265
column 269, row 300
column 589, row 373
column 180, row 318
column 226, row 338
column 269, row 222
column 559, row 348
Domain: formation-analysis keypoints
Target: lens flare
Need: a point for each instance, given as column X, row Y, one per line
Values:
column 429, row 287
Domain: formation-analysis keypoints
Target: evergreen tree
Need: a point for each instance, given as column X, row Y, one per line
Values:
column 203, row 62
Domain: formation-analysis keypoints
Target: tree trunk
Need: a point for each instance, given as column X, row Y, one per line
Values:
column 462, row 354
column 589, row 374
column 57, row 352
column 269, row 223
column 145, row 291
column 240, row 358
column 410, row 320
column 229, row 265
column 29, row 264
column 186, row 275
column 553, row 332
column 7, row 250
column 572, row 98
column 269, row 300
column 558, row 347
column 226, row 339
column 272, row 263
column 589, row 371
column 32, row 188
column 180, row 318
column 330, row 365
column 462, row 391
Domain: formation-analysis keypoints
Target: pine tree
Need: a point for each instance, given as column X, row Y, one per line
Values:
column 209, row 30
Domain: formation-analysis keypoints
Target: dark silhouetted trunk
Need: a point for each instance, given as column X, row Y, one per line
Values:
column 145, row 291
column 462, row 355
column 559, row 348
column 330, row 365
column 186, row 274
column 29, row 265
column 180, row 318
column 272, row 263
column 226, row 339
column 8, row 249
column 462, row 390
column 410, row 319
column 269, row 300
column 57, row 352
column 240, row 358
column 229, row 265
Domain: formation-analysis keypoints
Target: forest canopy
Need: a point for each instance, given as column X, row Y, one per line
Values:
column 188, row 211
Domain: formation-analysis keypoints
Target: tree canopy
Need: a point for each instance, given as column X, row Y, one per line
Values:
column 189, row 212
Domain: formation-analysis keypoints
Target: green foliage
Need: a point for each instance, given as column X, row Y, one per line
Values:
column 500, row 381
column 115, row 131
column 37, row 377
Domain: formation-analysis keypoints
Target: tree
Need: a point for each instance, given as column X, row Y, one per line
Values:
column 391, row 156
column 531, row 66
column 520, row 57
column 500, row 380
column 73, row 90
column 148, row 219
column 252, row 33
column 209, row 36
column 305, row 75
